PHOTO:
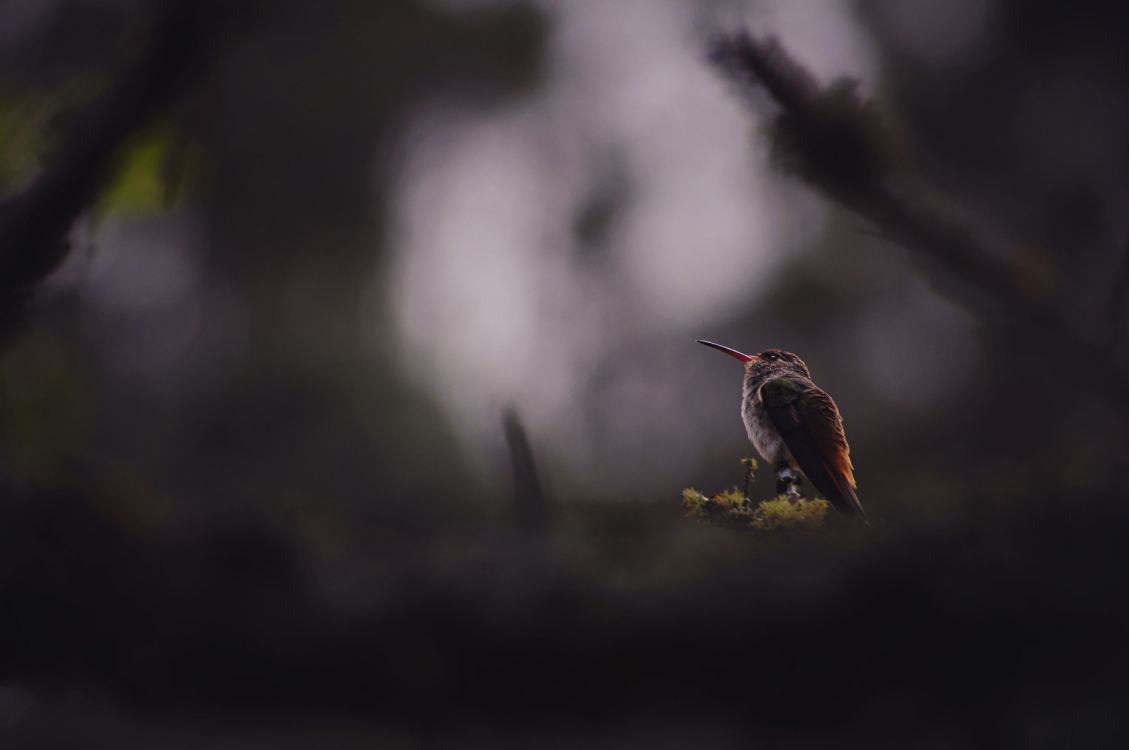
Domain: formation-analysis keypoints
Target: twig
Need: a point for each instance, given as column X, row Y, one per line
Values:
column 529, row 496
column 750, row 465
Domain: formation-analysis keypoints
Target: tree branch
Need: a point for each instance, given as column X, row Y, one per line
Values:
column 34, row 224
column 832, row 139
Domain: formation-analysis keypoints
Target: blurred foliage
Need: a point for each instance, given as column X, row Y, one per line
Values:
column 150, row 171
column 23, row 135
column 45, row 407
column 150, row 175
column 33, row 117
column 309, row 434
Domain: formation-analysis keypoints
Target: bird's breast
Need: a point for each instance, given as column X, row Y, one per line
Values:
column 762, row 433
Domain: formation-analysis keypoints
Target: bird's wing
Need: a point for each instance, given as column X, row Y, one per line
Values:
column 809, row 423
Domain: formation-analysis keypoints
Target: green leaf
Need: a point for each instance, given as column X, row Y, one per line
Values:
column 148, row 175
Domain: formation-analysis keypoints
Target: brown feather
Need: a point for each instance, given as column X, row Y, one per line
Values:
column 821, row 416
column 809, row 423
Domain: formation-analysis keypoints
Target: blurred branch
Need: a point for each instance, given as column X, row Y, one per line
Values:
column 834, row 140
column 529, row 495
column 34, row 223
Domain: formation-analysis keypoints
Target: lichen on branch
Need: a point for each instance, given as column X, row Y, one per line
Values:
column 733, row 509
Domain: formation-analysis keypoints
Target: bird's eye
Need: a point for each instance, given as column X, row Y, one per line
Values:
column 771, row 356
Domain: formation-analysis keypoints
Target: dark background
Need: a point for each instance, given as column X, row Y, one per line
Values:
column 255, row 483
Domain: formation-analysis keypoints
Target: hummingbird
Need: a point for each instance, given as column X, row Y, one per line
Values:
column 795, row 426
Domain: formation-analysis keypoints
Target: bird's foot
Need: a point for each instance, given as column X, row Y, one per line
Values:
column 788, row 482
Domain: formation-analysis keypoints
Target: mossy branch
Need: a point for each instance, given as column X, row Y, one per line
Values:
column 734, row 510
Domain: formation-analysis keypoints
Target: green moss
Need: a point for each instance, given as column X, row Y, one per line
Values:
column 694, row 503
column 733, row 509
column 786, row 514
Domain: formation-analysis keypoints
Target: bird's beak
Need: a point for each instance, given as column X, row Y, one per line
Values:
column 730, row 352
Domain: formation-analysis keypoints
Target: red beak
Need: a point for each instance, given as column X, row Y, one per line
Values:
column 730, row 352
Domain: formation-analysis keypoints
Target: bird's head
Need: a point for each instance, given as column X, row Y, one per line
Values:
column 769, row 363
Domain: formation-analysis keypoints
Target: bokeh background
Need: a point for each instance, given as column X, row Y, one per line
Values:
column 256, row 486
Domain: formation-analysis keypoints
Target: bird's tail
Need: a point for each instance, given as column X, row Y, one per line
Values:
column 852, row 500
column 841, row 493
